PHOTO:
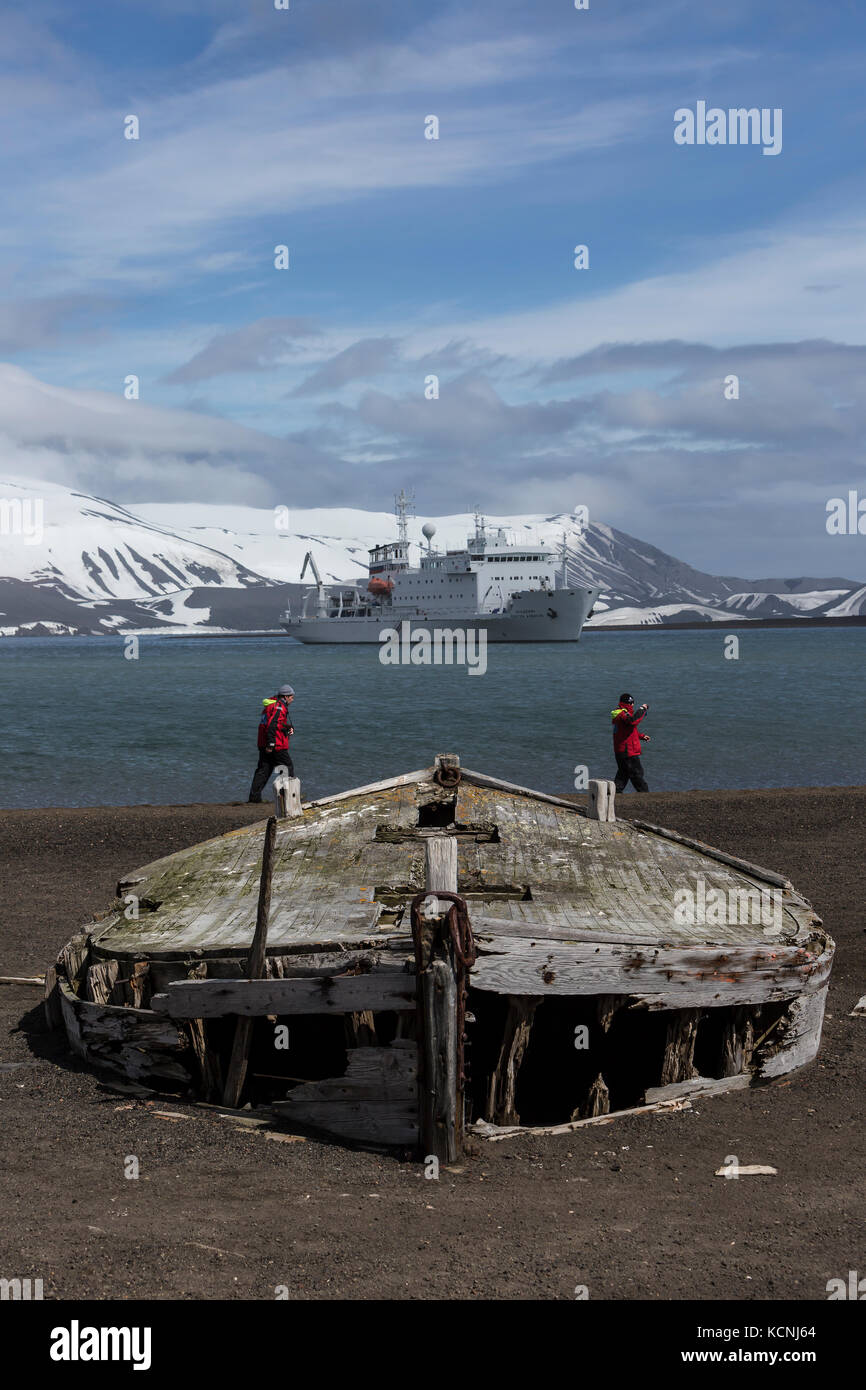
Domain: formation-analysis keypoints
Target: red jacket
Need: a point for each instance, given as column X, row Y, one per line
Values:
column 626, row 738
column 275, row 726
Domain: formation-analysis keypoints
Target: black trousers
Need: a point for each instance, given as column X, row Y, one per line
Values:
column 629, row 769
column 268, row 763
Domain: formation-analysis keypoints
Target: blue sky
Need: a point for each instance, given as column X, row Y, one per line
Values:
column 454, row 256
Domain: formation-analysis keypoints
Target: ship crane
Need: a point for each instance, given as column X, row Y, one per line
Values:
column 321, row 597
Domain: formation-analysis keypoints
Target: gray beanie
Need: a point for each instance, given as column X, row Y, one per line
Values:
column 285, row 690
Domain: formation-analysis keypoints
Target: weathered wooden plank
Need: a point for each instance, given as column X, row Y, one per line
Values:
column 133, row 1042
column 659, row 977
column 376, row 1100
column 487, row 1131
column 101, row 981
column 73, row 959
column 768, row 875
column 380, row 990
column 440, row 863
column 480, row 779
column 798, row 1037
column 403, row 780
column 697, row 1085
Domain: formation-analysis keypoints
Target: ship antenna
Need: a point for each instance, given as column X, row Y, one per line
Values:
column 564, row 554
column 402, row 507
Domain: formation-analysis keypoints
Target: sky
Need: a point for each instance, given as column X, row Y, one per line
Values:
column 453, row 258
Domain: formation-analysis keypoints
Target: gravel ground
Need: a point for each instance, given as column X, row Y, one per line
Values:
column 630, row 1210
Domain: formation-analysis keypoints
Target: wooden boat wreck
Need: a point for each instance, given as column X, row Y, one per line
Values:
column 396, row 963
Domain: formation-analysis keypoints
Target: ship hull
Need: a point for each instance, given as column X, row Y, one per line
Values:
column 531, row 617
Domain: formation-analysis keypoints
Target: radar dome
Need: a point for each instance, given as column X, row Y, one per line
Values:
column 428, row 530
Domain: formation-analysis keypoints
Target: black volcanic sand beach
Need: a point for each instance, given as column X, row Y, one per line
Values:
column 631, row 1209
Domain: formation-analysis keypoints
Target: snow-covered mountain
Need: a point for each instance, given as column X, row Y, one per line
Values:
column 72, row 562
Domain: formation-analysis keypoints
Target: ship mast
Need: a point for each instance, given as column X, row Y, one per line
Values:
column 403, row 506
column 564, row 555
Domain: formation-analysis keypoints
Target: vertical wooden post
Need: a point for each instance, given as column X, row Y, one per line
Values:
column 437, row 997
column 738, row 1038
column 255, row 968
column 440, row 863
column 287, row 794
column 678, row 1063
column 501, row 1106
column 601, row 800
column 437, row 1016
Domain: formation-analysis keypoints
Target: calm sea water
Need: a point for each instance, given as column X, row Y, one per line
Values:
column 80, row 725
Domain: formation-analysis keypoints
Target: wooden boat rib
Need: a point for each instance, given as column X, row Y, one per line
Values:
column 593, row 988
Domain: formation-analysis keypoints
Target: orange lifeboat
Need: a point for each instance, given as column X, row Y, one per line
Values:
column 380, row 586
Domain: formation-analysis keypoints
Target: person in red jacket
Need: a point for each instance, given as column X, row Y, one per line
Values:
column 627, row 742
column 275, row 730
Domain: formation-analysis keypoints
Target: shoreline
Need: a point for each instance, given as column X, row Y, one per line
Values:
column 856, row 620
column 265, row 808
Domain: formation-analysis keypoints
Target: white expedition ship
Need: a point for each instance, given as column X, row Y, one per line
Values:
column 507, row 590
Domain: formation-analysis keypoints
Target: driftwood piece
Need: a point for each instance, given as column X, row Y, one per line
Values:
column 679, row 1055
column 697, row 1086
column 501, row 1108
column 255, row 965
column 376, row 1100
column 488, row 1131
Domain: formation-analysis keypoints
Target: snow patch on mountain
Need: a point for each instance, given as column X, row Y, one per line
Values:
column 95, row 566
